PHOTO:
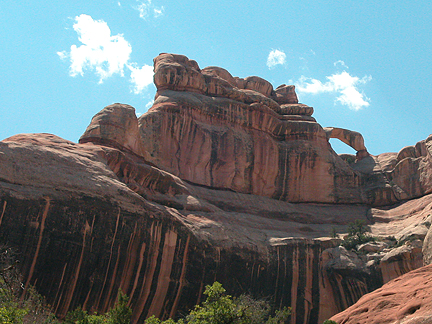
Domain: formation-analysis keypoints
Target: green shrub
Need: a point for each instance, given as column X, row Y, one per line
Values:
column 31, row 308
column 121, row 313
column 220, row 308
column 357, row 235
column 12, row 314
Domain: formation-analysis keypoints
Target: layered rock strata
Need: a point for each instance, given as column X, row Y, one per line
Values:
column 89, row 219
column 212, row 129
column 215, row 182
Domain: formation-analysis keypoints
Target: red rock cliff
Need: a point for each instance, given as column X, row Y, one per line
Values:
column 211, row 129
column 202, row 188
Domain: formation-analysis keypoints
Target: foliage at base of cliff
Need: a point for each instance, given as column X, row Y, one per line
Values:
column 220, row 308
column 120, row 314
column 19, row 305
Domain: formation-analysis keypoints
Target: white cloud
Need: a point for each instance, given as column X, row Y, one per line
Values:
column 157, row 12
column 275, row 57
column 101, row 52
column 63, row 55
column 341, row 63
column 149, row 104
column 147, row 107
column 343, row 84
column 146, row 7
column 140, row 77
column 143, row 9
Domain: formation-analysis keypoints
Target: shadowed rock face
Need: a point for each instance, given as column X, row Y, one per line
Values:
column 202, row 188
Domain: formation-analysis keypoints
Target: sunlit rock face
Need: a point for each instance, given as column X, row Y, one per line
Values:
column 212, row 129
column 223, row 179
column 405, row 300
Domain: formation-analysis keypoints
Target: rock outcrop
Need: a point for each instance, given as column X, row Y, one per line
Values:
column 212, row 129
column 223, row 179
column 404, row 300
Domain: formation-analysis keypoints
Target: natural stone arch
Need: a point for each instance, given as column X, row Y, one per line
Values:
column 349, row 137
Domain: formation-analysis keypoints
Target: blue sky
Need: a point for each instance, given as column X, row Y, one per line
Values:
column 362, row 65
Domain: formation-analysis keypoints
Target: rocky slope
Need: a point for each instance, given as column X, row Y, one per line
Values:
column 404, row 300
column 223, row 179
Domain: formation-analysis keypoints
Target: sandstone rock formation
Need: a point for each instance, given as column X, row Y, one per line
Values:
column 233, row 134
column 351, row 138
column 213, row 129
column 223, row 179
column 404, row 300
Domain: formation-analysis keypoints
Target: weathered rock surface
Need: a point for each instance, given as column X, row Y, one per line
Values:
column 116, row 125
column 213, row 129
column 112, row 221
column 351, row 138
column 223, row 179
column 406, row 299
column 232, row 133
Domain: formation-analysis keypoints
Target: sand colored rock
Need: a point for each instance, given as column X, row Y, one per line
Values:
column 210, row 128
column 285, row 94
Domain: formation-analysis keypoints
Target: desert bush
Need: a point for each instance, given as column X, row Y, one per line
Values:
column 18, row 305
column 357, row 234
column 121, row 313
column 220, row 308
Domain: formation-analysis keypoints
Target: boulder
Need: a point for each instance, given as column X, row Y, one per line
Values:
column 400, row 260
column 115, row 125
column 285, row 94
column 372, row 247
column 296, row 109
column 427, row 248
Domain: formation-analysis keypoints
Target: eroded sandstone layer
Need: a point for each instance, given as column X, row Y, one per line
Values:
column 223, row 179
column 404, row 300
column 209, row 128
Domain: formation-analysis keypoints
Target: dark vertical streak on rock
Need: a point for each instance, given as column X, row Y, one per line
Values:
column 57, row 296
column 110, row 296
column 151, row 257
column 130, row 260
column 155, row 274
column 314, row 313
column 300, row 303
column 162, row 294
column 213, row 155
column 3, row 211
column 43, row 217
column 75, row 276
column 284, row 284
column 181, row 283
column 334, row 284
column 109, row 261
